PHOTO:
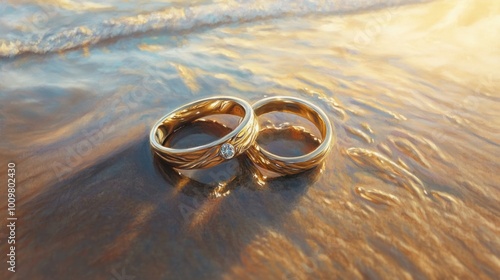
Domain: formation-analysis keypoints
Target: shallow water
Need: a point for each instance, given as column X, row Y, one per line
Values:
column 410, row 189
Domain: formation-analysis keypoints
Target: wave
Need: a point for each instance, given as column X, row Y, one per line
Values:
column 183, row 19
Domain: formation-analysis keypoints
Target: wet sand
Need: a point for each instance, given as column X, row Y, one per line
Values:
column 410, row 189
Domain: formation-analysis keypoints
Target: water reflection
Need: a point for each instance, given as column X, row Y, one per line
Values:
column 414, row 105
column 220, row 180
column 246, row 175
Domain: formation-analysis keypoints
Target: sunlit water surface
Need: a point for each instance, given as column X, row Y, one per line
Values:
column 410, row 189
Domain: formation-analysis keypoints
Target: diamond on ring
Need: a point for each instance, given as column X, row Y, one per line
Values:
column 227, row 151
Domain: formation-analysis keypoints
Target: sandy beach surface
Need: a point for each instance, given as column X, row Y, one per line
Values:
column 410, row 189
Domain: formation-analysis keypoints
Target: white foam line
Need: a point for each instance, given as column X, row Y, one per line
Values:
column 182, row 19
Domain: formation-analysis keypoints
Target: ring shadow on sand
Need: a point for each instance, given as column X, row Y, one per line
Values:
column 131, row 213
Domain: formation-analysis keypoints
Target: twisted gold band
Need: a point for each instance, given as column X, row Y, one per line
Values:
column 292, row 165
column 233, row 144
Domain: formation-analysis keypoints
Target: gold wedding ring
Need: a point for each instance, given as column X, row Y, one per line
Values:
column 232, row 144
column 292, row 165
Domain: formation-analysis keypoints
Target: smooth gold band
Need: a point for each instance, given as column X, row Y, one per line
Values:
column 292, row 165
column 231, row 145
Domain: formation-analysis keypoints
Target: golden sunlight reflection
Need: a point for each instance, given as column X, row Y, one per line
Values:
column 409, row 189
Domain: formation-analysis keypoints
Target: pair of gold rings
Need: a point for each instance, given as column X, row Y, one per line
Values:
column 241, row 139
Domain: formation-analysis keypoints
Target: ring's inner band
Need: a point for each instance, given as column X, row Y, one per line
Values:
column 302, row 110
column 197, row 133
column 291, row 141
column 206, row 108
